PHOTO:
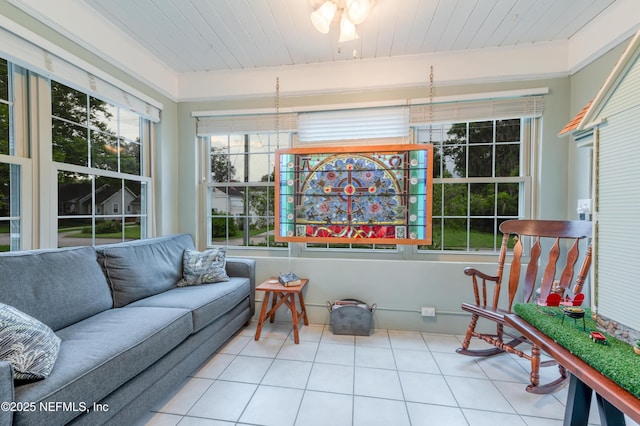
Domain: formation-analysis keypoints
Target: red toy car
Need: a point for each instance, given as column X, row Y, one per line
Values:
column 598, row 337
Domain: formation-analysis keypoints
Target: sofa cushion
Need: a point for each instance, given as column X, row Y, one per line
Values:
column 203, row 267
column 142, row 268
column 100, row 354
column 27, row 344
column 207, row 301
column 58, row 287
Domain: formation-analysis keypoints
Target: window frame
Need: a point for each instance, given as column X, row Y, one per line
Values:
column 50, row 168
column 32, row 128
column 282, row 137
column 530, row 133
column 22, row 237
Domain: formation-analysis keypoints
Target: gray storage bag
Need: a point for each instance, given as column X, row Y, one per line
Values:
column 351, row 317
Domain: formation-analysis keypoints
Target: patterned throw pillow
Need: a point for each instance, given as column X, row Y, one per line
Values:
column 27, row 344
column 203, row 267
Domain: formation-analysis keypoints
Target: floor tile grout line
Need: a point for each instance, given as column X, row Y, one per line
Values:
column 304, row 390
column 217, row 379
column 192, row 376
column 263, row 376
column 353, row 384
column 218, row 376
column 404, row 397
column 273, row 357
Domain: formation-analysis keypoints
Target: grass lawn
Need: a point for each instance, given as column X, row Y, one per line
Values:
column 252, row 233
column 456, row 239
column 130, row 232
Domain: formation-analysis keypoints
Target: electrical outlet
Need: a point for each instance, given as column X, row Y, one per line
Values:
column 428, row 311
column 584, row 209
column 584, row 205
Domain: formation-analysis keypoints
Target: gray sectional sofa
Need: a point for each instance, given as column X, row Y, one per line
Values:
column 128, row 334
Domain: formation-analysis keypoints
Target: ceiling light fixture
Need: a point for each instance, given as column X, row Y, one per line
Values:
column 358, row 10
column 347, row 29
column 323, row 17
column 350, row 13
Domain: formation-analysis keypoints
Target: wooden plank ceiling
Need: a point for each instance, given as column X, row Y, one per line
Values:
column 206, row 35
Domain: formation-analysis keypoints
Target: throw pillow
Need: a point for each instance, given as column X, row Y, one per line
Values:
column 203, row 267
column 28, row 345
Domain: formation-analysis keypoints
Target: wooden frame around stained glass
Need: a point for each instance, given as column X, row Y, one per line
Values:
column 378, row 194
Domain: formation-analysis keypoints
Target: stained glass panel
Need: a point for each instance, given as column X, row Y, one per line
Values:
column 378, row 194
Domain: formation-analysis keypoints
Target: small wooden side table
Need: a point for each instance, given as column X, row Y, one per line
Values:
column 282, row 295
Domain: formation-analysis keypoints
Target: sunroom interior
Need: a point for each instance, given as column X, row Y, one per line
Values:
column 201, row 161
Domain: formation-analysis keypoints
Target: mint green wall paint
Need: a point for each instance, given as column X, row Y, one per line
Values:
column 400, row 288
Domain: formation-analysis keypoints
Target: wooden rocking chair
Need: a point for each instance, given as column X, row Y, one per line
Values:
column 540, row 231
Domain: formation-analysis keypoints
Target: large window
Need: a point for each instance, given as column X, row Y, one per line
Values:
column 479, row 181
column 98, row 150
column 240, row 190
column 74, row 151
column 481, row 170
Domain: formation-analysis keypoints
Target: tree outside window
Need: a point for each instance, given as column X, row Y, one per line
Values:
column 241, row 194
column 477, row 182
column 97, row 136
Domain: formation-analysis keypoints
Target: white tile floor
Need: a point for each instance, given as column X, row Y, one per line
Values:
column 390, row 378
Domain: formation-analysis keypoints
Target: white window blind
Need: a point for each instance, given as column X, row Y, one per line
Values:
column 365, row 123
column 618, row 234
column 26, row 54
column 249, row 123
column 477, row 110
column 372, row 122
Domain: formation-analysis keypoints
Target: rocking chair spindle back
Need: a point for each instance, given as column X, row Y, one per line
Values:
column 559, row 234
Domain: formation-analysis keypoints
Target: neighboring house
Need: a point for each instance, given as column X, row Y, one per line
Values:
column 76, row 199
column 612, row 121
column 109, row 202
column 227, row 199
column 71, row 198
